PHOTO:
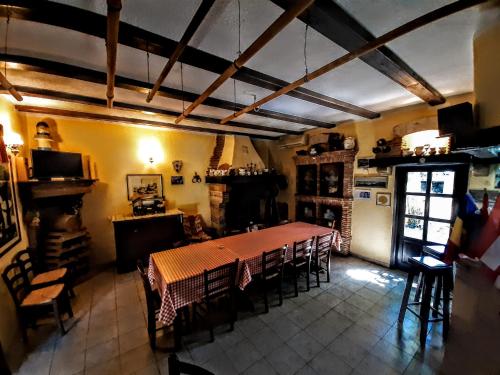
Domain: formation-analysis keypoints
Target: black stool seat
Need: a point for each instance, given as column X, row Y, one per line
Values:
column 436, row 251
column 431, row 269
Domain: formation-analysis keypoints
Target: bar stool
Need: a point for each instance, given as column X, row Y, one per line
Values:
column 438, row 252
column 431, row 269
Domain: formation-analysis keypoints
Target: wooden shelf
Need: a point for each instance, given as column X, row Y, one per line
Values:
column 434, row 159
column 37, row 189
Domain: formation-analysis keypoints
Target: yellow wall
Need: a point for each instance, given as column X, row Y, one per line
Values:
column 8, row 321
column 114, row 149
column 487, row 75
column 371, row 224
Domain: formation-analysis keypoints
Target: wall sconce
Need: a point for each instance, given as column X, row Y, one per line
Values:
column 150, row 151
column 14, row 142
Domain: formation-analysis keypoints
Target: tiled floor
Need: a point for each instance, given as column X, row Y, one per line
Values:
column 345, row 327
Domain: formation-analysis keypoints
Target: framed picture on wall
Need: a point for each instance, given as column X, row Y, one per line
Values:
column 144, row 186
column 383, row 199
column 368, row 182
column 10, row 234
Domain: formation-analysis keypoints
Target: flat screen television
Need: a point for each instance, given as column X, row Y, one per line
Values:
column 457, row 121
column 54, row 164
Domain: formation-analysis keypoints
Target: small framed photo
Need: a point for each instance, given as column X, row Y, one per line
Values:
column 144, row 186
column 383, row 199
column 177, row 180
column 362, row 194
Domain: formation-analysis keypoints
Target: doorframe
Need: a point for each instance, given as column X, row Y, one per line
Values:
column 462, row 170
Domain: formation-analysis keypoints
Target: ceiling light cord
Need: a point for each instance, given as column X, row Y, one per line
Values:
column 234, row 95
column 239, row 28
column 147, row 64
column 6, row 40
column 305, row 53
column 182, row 87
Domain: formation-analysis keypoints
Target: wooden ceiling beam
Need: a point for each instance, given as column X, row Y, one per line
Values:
column 35, row 64
column 368, row 47
column 279, row 24
column 90, row 23
column 112, row 30
column 333, row 22
column 10, row 88
column 181, row 46
column 89, row 100
column 126, row 120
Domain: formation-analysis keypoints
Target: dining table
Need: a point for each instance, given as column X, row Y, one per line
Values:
column 177, row 273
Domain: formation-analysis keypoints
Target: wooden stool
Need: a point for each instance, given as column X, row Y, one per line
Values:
column 431, row 269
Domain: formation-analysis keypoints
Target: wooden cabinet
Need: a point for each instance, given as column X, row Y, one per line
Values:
column 138, row 236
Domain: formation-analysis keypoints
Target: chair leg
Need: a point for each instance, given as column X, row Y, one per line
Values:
column 425, row 307
column 328, row 267
column 57, row 316
column 447, row 285
column 406, row 297
column 280, row 290
column 318, row 267
column 418, row 292
column 152, row 330
column 177, row 331
column 266, row 302
column 308, row 278
column 437, row 296
column 23, row 323
column 295, row 281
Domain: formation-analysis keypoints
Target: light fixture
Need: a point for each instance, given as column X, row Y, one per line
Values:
column 150, row 151
column 14, row 142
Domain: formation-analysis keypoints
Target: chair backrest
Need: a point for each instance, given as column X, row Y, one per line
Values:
column 252, row 228
column 323, row 244
column 23, row 258
column 148, row 291
column 220, row 281
column 176, row 367
column 16, row 282
column 302, row 249
column 273, row 261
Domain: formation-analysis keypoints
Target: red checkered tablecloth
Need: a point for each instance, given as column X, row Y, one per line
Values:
column 248, row 247
column 178, row 273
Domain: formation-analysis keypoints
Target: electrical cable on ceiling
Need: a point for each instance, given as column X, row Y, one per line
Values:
column 305, row 50
column 239, row 28
column 234, row 95
column 6, row 40
column 147, row 61
column 182, row 87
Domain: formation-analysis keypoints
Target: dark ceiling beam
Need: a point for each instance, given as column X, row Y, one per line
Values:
column 65, row 16
column 112, row 28
column 89, row 100
column 332, row 21
column 262, row 40
column 389, row 36
column 127, row 120
column 196, row 21
column 35, row 64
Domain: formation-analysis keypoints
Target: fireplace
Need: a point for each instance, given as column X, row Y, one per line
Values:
column 238, row 201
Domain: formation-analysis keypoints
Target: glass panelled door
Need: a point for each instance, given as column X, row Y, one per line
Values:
column 427, row 200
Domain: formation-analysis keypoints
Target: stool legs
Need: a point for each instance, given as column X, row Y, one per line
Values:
column 425, row 307
column 447, row 287
column 406, row 297
column 437, row 296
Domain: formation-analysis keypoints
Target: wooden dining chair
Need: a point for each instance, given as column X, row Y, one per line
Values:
column 322, row 253
column 30, row 303
column 273, row 263
column 153, row 304
column 302, row 251
column 176, row 367
column 219, row 284
column 43, row 279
